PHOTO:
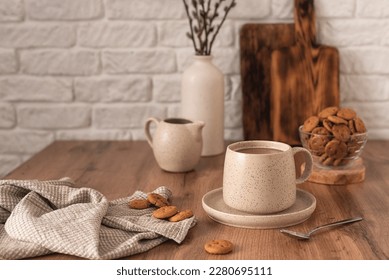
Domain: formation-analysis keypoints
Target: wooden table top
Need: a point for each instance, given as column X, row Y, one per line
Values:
column 118, row 168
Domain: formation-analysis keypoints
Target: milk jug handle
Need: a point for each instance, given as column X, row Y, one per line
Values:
column 299, row 162
column 149, row 138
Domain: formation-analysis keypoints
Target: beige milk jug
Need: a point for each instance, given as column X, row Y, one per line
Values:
column 176, row 143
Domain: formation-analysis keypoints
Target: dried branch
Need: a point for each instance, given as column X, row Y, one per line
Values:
column 226, row 11
column 190, row 35
column 203, row 33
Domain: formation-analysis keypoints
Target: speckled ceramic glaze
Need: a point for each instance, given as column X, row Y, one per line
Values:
column 214, row 205
column 176, row 143
column 262, row 183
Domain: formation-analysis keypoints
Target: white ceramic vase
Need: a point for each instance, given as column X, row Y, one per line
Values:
column 202, row 98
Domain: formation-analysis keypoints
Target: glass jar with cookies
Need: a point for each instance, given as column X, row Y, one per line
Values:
column 335, row 137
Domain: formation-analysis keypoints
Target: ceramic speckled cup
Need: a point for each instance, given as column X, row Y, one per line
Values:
column 260, row 176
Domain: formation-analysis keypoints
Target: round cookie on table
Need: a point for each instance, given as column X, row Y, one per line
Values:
column 335, row 137
column 218, row 247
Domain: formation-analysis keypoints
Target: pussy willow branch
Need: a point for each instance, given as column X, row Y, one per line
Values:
column 204, row 16
column 191, row 26
column 199, row 30
column 205, row 32
column 227, row 10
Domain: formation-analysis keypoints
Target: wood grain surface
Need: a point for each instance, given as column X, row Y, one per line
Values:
column 304, row 77
column 257, row 41
column 117, row 169
column 342, row 176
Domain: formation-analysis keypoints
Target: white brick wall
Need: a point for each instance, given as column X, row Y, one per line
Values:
column 96, row 69
column 64, row 9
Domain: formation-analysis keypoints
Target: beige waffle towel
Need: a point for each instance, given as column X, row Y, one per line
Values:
column 42, row 217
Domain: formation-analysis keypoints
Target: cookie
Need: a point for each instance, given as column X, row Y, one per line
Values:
column 336, row 149
column 337, row 120
column 320, row 130
column 317, row 144
column 354, row 145
column 359, row 125
column 329, row 111
column 328, row 125
column 157, row 200
column 165, row 212
column 346, row 113
column 310, row 123
column 139, row 204
column 353, row 149
column 338, row 162
column 351, row 126
column 218, row 247
column 331, row 148
column 323, row 157
column 341, row 132
column 328, row 161
column 182, row 215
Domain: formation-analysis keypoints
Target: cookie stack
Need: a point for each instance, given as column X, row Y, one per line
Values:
column 335, row 136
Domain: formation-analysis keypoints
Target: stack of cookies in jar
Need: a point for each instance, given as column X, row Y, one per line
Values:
column 335, row 137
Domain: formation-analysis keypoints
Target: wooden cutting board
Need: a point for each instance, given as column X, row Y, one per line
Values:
column 304, row 77
column 263, row 48
column 257, row 41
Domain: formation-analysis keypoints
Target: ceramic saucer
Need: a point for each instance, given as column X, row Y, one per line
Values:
column 217, row 210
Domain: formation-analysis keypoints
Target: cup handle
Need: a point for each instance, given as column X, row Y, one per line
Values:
column 149, row 138
column 308, row 163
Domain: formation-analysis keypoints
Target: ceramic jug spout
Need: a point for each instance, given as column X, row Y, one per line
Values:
column 196, row 128
column 199, row 125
